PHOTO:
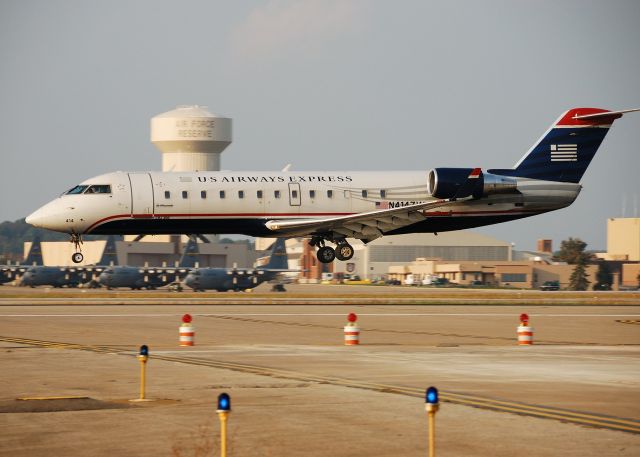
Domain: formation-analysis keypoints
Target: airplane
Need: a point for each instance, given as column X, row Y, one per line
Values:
column 150, row 277
column 335, row 206
column 70, row 276
column 224, row 279
column 9, row 273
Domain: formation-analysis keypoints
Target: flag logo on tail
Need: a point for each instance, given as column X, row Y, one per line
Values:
column 564, row 152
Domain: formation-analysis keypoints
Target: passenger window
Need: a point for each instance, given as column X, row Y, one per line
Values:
column 364, row 194
column 383, row 193
column 329, row 194
column 259, row 194
column 241, row 194
column 276, row 193
column 312, row 194
column 222, row 194
column 294, row 194
column 203, row 194
column 185, row 194
column 167, row 194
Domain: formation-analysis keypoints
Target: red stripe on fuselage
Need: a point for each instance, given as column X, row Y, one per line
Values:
column 293, row 215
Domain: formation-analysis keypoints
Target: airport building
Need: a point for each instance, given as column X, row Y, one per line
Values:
column 623, row 239
column 524, row 275
column 373, row 260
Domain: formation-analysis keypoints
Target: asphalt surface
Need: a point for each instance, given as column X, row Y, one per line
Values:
column 297, row 390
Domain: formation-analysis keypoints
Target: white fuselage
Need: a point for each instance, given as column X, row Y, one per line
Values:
column 242, row 202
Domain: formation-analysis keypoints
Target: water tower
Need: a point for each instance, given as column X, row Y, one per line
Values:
column 190, row 138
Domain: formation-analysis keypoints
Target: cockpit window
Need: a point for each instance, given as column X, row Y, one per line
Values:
column 76, row 190
column 98, row 189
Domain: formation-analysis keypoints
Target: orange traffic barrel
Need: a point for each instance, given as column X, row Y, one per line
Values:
column 525, row 332
column 351, row 331
column 187, row 331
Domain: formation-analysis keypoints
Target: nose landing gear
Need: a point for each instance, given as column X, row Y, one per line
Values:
column 326, row 254
column 76, row 239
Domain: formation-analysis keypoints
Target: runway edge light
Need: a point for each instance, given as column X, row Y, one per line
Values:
column 431, row 399
column 431, row 396
column 224, row 408
column 143, row 356
column 224, row 403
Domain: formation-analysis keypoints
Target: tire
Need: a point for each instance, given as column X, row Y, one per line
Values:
column 344, row 252
column 77, row 257
column 326, row 254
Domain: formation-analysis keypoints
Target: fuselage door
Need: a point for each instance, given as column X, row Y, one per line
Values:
column 141, row 193
column 294, row 193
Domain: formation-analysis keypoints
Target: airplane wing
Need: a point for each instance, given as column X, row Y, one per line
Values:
column 365, row 226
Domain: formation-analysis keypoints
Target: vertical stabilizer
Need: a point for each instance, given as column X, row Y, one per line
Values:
column 34, row 257
column 278, row 259
column 566, row 149
column 109, row 255
column 190, row 254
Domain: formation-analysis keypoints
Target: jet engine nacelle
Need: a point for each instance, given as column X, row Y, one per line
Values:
column 457, row 183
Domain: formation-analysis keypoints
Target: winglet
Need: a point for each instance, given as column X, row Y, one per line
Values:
column 606, row 114
column 588, row 117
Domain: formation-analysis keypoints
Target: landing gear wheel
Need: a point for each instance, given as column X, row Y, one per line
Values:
column 326, row 254
column 77, row 257
column 344, row 252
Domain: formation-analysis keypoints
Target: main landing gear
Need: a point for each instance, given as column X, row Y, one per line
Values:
column 326, row 254
column 76, row 239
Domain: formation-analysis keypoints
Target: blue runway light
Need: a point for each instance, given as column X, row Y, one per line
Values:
column 224, row 402
column 431, row 396
column 144, row 350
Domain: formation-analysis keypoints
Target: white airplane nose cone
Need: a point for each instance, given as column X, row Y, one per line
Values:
column 35, row 218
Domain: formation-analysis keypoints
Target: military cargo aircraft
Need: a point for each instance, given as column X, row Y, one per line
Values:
column 65, row 276
column 238, row 279
column 150, row 277
column 10, row 273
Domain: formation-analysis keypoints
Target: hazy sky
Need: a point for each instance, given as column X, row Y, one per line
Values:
column 321, row 84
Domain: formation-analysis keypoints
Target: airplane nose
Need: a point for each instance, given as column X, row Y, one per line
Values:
column 36, row 218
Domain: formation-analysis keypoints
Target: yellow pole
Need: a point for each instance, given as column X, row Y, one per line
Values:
column 432, row 434
column 143, row 365
column 223, row 432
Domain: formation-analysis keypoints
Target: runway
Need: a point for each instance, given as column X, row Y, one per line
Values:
column 297, row 390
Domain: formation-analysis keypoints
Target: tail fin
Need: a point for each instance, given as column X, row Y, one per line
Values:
column 190, row 254
column 109, row 255
column 279, row 259
column 565, row 151
column 35, row 253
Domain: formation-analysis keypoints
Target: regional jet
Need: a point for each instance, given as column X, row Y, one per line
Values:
column 335, row 206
